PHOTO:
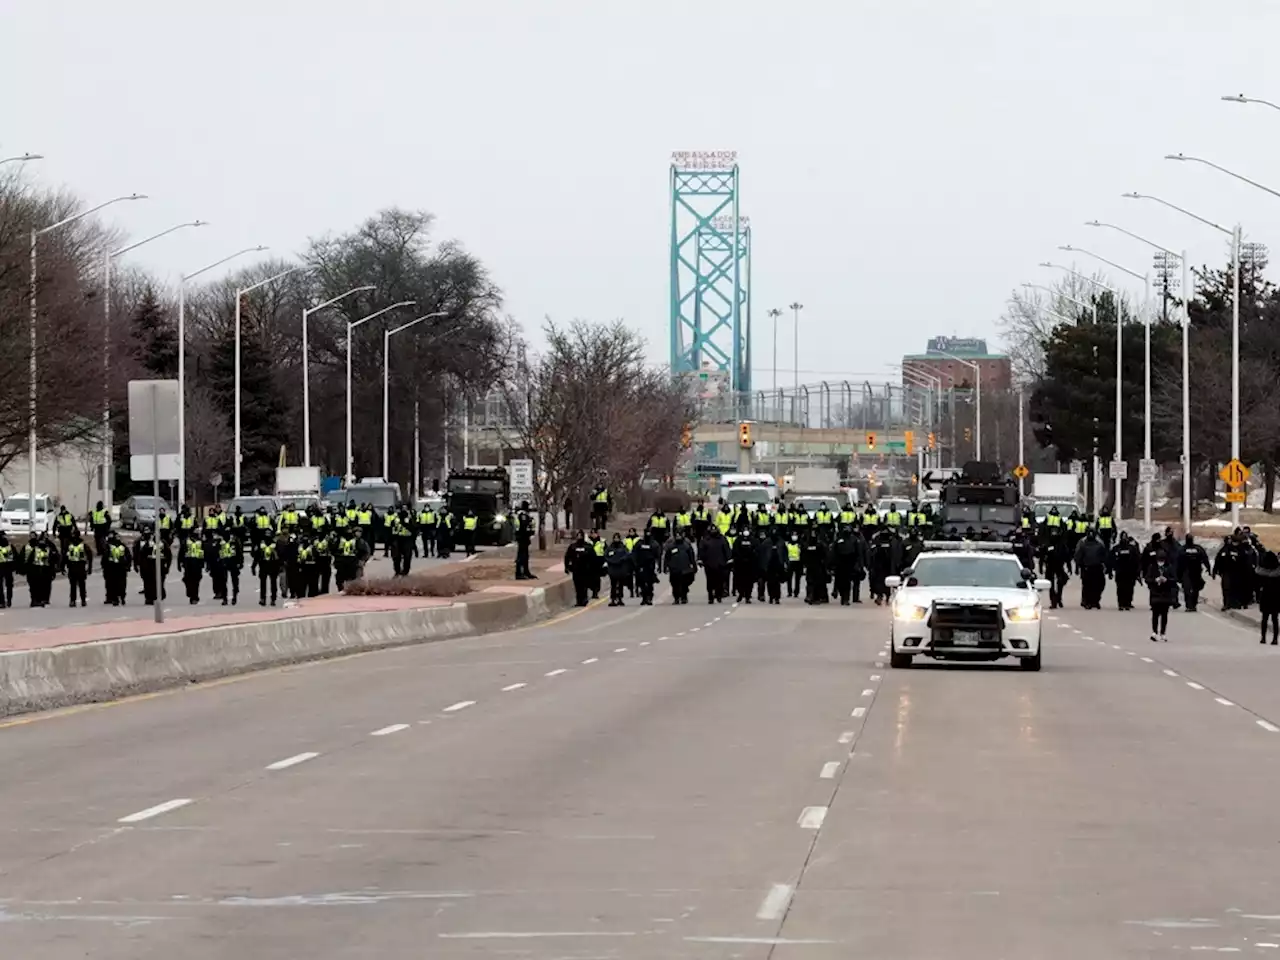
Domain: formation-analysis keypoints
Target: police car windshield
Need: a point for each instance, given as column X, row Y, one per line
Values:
column 953, row 571
column 756, row 495
column 380, row 498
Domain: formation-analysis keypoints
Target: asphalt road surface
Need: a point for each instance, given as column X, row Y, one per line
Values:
column 675, row 782
column 22, row 618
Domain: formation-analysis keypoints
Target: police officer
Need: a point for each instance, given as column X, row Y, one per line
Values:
column 40, row 562
column 115, row 568
column 1125, row 566
column 1193, row 564
column 599, row 507
column 266, row 561
column 324, row 558
column 350, row 555
column 645, row 558
column 523, row 523
column 100, row 523
column 64, row 525
column 618, row 562
column 470, row 527
column 144, row 561
column 8, row 560
column 427, row 530
column 579, row 562
column 656, row 528
column 216, row 562
column 78, row 562
column 191, row 556
column 231, row 560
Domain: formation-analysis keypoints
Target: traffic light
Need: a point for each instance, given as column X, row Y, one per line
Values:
column 871, row 441
column 744, row 435
column 686, row 437
column 933, row 441
column 911, row 441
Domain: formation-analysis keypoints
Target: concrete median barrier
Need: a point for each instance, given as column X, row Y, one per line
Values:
column 73, row 673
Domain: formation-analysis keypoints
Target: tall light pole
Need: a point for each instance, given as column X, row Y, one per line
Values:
column 107, row 260
column 306, row 368
column 386, row 389
column 1146, row 348
column 240, row 292
column 1235, row 234
column 33, row 366
column 182, row 365
column 1091, row 307
column 1186, row 384
column 350, row 477
column 1115, row 296
column 775, row 313
column 977, row 413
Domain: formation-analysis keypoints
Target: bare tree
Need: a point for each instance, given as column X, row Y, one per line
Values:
column 209, row 438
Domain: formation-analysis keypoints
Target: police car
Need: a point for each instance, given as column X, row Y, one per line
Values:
column 966, row 602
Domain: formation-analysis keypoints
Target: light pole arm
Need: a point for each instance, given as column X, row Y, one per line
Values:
column 1111, row 263
column 1129, row 233
column 84, row 213
column 1229, row 173
column 1173, row 206
column 156, row 236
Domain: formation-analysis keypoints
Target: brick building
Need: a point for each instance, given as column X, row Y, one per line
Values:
column 939, row 360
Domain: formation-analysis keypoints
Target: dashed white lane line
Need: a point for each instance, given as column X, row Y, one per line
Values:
column 1086, row 638
column 664, row 638
column 293, row 761
column 875, row 678
column 590, row 660
column 1051, row 617
column 829, row 770
column 1169, row 673
column 1224, row 701
column 1131, row 653
column 859, row 712
column 513, row 686
column 680, row 634
column 460, row 705
column 644, row 643
column 1114, row 646
column 811, row 817
column 1193, row 685
column 846, row 737
column 775, row 902
column 155, row 811
column 708, row 623
column 868, row 692
column 555, row 673
column 694, row 629
column 621, row 650
column 879, row 663
column 387, row 731
column 1147, row 660
column 1268, row 726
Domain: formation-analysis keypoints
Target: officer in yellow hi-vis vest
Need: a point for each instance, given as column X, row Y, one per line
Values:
column 470, row 527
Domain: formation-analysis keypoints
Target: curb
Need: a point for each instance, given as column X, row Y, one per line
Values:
column 102, row 670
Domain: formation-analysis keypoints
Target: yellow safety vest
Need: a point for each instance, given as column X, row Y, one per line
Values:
column 227, row 550
column 318, row 522
column 893, row 518
column 195, row 551
column 366, row 518
column 723, row 521
column 6, row 554
column 99, row 518
column 213, row 521
column 602, row 496
column 427, row 519
column 166, row 522
column 263, row 521
column 75, row 552
column 66, row 520
column 658, row 523
column 848, row 516
column 117, row 552
column 1104, row 522
column 469, row 523
column 598, row 547
column 348, row 546
column 793, row 552
column 802, row 519
column 188, row 523
column 1053, row 520
column 630, row 543
column 781, row 519
column 823, row 518
column 683, row 520
column 268, row 551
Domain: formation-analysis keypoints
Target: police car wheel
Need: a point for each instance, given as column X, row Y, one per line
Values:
column 1032, row 663
column 899, row 661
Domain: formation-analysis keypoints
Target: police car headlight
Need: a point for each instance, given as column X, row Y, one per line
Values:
column 1023, row 614
column 500, row 518
column 910, row 611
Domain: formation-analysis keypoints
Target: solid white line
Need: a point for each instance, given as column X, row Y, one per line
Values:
column 829, row 770
column 868, row 693
column 1224, row 701
column 765, row 941
column 394, row 728
column 531, row 934
column 1268, row 726
column 513, row 686
column 155, row 811
column 875, row 678
column 1147, row 660
column 846, row 737
column 460, row 705
column 591, row 660
column 1193, row 685
column 621, row 650
column 1170, row 673
column 555, row 673
column 775, row 902
column 292, row 761
column 859, row 712
column 811, row 817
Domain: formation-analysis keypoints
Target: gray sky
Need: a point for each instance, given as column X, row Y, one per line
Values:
column 904, row 164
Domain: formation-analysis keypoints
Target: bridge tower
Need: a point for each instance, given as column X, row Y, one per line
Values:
column 710, row 269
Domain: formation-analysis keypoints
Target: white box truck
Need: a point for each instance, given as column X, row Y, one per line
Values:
column 1061, row 490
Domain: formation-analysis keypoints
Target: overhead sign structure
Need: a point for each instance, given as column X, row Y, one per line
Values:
column 1235, row 474
column 1021, row 471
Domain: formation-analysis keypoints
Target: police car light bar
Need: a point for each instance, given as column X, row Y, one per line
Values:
column 967, row 546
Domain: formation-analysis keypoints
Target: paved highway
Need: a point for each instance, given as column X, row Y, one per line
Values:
column 675, row 782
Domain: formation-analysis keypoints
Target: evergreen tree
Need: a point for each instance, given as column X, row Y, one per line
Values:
column 155, row 337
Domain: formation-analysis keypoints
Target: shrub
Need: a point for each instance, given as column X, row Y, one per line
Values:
column 453, row 583
column 671, row 501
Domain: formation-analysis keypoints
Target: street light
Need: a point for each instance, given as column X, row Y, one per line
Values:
column 1186, row 380
column 240, row 292
column 1146, row 386
column 36, row 234
column 351, row 326
column 107, row 260
column 1241, row 98
column 775, row 313
column 977, row 449
column 1235, row 234
column 22, row 159
column 306, row 367
column 1092, row 307
column 182, row 366
column 386, row 389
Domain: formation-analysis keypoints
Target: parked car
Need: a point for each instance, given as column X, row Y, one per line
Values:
column 143, row 510
column 15, row 514
column 250, row 505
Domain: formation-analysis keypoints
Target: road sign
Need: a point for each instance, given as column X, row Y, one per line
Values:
column 1147, row 471
column 1021, row 472
column 521, row 478
column 1234, row 474
column 1077, row 468
column 215, row 480
column 1235, row 496
column 1119, row 470
column 153, row 430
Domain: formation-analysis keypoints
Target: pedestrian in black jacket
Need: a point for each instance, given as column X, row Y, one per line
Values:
column 1193, row 564
column 645, row 558
column 1125, row 565
column 843, row 557
column 1055, row 563
column 1266, row 582
column 1162, row 582
column 581, row 563
column 682, row 566
column 714, row 555
column 744, row 566
column 1091, row 561
column 880, row 564
column 617, row 560
column 815, row 569
column 773, row 565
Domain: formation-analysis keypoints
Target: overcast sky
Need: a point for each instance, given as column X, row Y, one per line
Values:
column 904, row 164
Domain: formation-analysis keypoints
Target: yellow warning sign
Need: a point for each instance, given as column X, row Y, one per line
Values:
column 1021, row 472
column 1234, row 474
column 1235, row 496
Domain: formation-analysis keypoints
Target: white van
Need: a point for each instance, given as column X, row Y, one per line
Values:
column 15, row 514
column 752, row 490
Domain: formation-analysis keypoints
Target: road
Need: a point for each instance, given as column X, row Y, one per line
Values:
column 674, row 782
column 22, row 618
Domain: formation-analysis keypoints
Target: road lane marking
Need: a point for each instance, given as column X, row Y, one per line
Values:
column 644, row 643
column 775, row 902
column 829, row 770
column 394, row 728
column 1114, row 646
column 555, row 673
column 1051, row 617
column 868, row 692
column 1268, row 726
column 1224, row 701
column 859, row 712
column 293, row 761
column 513, row 686
column 846, row 737
column 460, row 705
column 591, row 660
column 155, row 811
column 764, row 941
column 1193, row 685
column 1170, row 673
column 1147, row 660
column 694, row 629
column 621, row 650
column 875, row 678
column 1086, row 638
column 708, row 623
column 680, row 634
column 811, row 817
column 664, row 638
column 879, row 663
column 1131, row 653
column 532, row 934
